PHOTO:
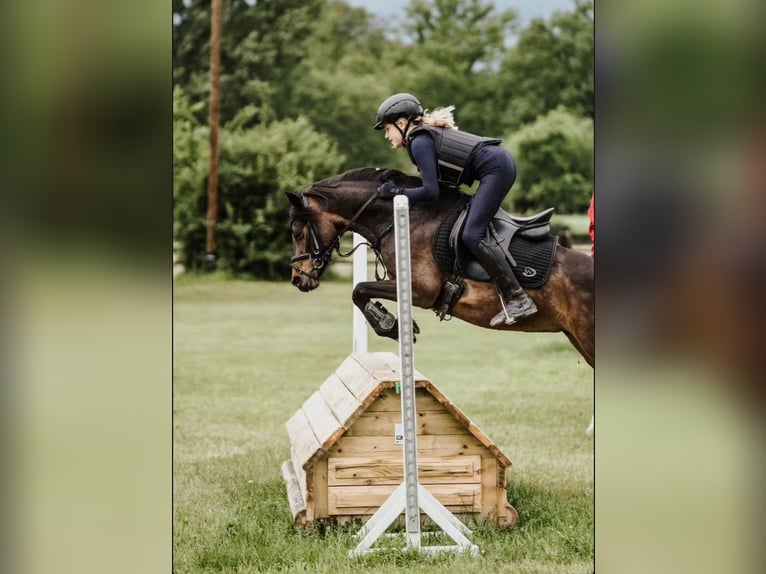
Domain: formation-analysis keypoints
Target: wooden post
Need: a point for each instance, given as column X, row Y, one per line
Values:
column 212, row 183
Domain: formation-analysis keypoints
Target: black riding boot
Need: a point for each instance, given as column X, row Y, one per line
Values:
column 516, row 303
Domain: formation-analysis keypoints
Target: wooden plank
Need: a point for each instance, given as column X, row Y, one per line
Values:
column 393, row 361
column 427, row 394
column 323, row 423
column 377, row 366
column 302, row 438
column 320, row 488
column 473, row 428
column 299, row 473
column 381, row 423
column 490, row 505
column 310, row 493
column 344, row 405
column 451, row 407
column 510, row 518
column 435, row 446
column 294, row 495
column 357, row 379
column 369, row 510
column 388, row 400
column 367, row 499
column 426, row 522
column 366, row 471
column 489, row 443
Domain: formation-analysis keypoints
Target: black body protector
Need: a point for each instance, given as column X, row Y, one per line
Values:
column 454, row 151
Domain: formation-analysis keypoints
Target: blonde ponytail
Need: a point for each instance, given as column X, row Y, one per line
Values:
column 440, row 117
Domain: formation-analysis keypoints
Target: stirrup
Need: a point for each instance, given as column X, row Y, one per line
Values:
column 508, row 319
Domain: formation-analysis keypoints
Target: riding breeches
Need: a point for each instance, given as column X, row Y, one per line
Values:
column 495, row 169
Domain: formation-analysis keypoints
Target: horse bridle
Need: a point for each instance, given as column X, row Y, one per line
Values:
column 321, row 257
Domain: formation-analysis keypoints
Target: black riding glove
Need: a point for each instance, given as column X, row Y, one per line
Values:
column 388, row 190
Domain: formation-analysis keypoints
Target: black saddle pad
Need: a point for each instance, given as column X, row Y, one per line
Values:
column 534, row 258
column 440, row 248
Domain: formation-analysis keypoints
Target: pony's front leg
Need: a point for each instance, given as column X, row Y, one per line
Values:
column 380, row 319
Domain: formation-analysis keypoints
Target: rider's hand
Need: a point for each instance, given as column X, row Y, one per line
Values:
column 388, row 190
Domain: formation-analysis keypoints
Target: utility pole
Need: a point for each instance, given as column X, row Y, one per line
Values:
column 212, row 182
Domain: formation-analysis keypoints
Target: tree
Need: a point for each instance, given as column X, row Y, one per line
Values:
column 551, row 66
column 261, row 44
column 457, row 46
column 349, row 69
column 256, row 166
column 555, row 159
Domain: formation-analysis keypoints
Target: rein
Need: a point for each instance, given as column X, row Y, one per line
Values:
column 320, row 258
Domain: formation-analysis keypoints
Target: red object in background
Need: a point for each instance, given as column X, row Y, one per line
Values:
column 592, row 225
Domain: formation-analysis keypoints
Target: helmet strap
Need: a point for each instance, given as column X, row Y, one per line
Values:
column 404, row 131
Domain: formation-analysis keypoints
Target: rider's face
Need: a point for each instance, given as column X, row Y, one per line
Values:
column 393, row 135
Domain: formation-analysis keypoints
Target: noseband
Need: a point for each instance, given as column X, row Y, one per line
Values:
column 321, row 257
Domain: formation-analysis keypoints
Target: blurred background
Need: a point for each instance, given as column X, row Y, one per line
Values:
column 105, row 159
column 301, row 81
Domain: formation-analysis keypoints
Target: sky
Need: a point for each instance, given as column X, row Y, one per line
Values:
column 527, row 9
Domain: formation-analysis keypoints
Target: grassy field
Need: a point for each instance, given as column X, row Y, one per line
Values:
column 246, row 356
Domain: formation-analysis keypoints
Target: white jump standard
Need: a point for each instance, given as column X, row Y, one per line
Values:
column 410, row 497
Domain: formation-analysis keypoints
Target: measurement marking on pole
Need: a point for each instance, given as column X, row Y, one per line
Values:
column 410, row 496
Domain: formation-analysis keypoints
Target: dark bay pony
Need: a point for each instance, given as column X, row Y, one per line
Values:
column 321, row 214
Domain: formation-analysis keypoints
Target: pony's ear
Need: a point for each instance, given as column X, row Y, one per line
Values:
column 294, row 199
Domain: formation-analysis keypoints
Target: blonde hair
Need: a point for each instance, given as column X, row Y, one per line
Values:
column 440, row 117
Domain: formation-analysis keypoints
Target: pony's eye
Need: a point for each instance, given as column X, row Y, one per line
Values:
column 297, row 229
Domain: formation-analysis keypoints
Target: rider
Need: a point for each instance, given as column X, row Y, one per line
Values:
column 444, row 155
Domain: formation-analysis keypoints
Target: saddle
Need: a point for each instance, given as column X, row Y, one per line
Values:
column 502, row 228
column 527, row 241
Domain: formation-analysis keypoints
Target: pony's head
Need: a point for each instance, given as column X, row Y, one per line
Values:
column 320, row 215
column 315, row 235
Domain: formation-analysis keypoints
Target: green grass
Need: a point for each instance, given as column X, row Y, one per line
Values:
column 246, row 356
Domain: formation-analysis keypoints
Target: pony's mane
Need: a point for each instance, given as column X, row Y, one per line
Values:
column 325, row 189
column 370, row 174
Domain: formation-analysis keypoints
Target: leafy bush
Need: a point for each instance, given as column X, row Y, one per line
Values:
column 554, row 157
column 255, row 167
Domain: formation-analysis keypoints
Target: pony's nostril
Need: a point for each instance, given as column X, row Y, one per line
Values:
column 296, row 280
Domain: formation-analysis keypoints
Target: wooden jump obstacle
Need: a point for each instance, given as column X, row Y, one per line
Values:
column 345, row 462
column 346, row 444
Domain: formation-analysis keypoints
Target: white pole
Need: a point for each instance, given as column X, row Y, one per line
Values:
column 410, row 497
column 360, row 275
column 407, row 367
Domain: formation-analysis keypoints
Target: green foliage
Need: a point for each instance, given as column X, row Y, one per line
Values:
column 457, row 46
column 261, row 43
column 255, row 167
column 551, row 66
column 463, row 33
column 306, row 76
column 554, row 156
column 191, row 151
column 343, row 79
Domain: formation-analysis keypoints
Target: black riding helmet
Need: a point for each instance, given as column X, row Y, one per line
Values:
column 398, row 106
